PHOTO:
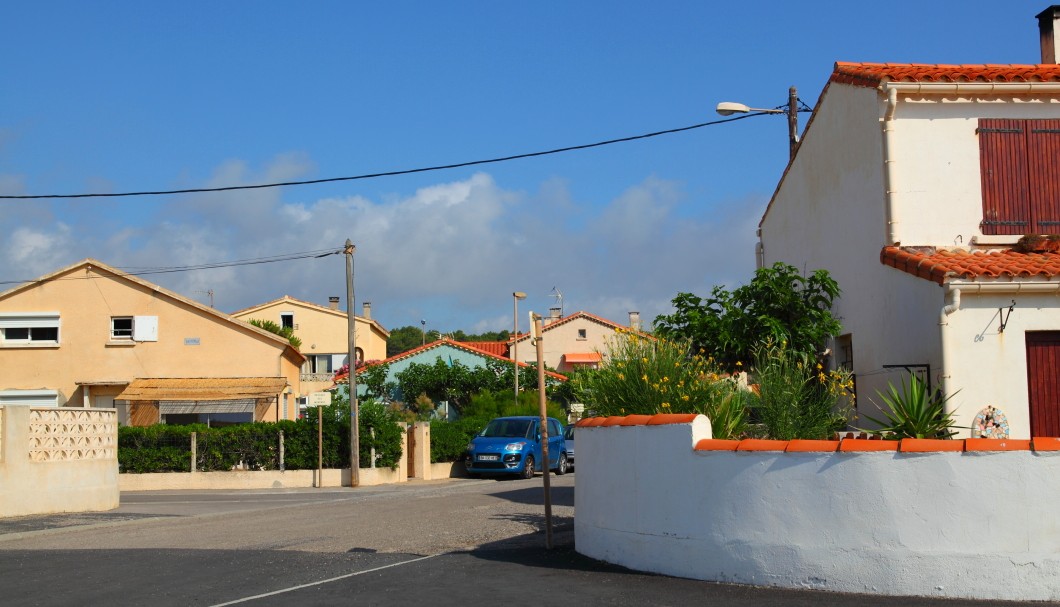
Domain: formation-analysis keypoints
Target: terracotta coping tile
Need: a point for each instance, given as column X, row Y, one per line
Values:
column 762, row 444
column 930, row 445
column 717, row 444
column 662, row 419
column 614, row 420
column 636, row 420
column 583, row 422
column 806, row 446
column 1045, row 443
column 853, row 445
column 996, row 444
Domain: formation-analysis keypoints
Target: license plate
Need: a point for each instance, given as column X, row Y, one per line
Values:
column 488, row 458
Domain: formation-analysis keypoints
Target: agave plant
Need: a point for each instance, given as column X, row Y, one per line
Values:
column 914, row 412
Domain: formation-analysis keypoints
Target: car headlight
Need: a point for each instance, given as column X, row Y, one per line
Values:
column 514, row 446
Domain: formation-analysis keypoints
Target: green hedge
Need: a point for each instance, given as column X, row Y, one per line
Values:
column 449, row 439
column 164, row 448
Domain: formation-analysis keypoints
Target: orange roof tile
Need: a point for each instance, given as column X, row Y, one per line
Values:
column 938, row 265
column 497, row 348
column 873, row 74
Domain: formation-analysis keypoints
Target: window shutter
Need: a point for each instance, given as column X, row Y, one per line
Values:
column 145, row 328
column 1043, row 157
column 1003, row 169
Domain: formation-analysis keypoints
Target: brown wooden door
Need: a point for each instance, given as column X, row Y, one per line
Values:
column 1043, row 382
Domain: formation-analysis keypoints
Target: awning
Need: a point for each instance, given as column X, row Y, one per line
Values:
column 203, row 389
column 582, row 358
column 176, row 407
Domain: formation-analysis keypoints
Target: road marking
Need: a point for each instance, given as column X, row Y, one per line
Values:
column 327, row 581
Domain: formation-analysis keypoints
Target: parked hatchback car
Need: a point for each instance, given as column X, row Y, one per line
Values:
column 568, row 438
column 512, row 445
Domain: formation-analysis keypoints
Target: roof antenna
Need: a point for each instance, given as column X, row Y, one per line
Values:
column 559, row 300
column 208, row 292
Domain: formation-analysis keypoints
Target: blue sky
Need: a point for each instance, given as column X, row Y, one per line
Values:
column 133, row 96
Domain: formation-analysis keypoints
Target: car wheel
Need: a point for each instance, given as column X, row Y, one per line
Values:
column 528, row 467
column 562, row 467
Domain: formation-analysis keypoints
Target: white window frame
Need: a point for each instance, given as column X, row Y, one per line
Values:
column 114, row 336
column 30, row 321
column 32, row 398
column 142, row 328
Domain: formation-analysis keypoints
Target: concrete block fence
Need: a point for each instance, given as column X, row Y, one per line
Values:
column 975, row 518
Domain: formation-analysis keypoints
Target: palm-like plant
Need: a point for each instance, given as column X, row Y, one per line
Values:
column 914, row 412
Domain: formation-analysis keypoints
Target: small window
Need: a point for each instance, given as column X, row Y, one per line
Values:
column 581, row 334
column 35, row 329
column 287, row 320
column 121, row 327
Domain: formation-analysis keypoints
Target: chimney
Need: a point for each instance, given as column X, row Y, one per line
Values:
column 333, row 303
column 634, row 321
column 1047, row 21
column 553, row 315
column 367, row 307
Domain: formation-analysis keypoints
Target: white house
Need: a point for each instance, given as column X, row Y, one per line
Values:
column 913, row 185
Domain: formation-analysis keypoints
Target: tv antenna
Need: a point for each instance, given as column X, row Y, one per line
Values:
column 208, row 292
column 559, row 299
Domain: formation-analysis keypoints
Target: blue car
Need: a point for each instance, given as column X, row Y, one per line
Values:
column 512, row 445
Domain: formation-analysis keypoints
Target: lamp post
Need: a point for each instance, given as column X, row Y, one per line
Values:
column 728, row 108
column 516, row 296
column 423, row 332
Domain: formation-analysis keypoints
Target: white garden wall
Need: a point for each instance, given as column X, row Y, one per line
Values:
column 57, row 460
column 950, row 524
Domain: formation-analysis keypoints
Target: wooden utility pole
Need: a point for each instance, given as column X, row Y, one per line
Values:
column 351, row 324
column 539, row 342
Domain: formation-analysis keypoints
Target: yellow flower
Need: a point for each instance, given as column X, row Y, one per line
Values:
column 819, row 367
column 644, row 377
column 620, row 376
column 644, row 360
column 739, row 364
column 685, row 398
column 666, row 405
column 665, row 378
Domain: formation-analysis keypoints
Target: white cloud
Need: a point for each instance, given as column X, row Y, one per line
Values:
column 451, row 253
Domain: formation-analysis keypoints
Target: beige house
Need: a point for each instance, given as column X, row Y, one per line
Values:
column 324, row 334
column 578, row 340
column 89, row 335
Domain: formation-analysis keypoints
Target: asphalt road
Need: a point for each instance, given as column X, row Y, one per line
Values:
column 452, row 542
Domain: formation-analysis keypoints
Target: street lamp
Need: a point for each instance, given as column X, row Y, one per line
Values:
column 516, row 296
column 728, row 108
column 423, row 332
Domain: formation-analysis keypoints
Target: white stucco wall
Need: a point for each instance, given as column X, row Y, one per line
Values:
column 989, row 367
column 829, row 213
column 57, row 460
column 963, row 525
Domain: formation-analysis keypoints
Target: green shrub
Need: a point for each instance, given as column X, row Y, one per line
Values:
column 915, row 412
column 449, row 439
column 649, row 376
column 796, row 397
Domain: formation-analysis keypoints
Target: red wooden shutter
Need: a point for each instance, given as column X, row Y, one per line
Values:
column 1003, row 166
column 1043, row 157
column 1043, row 382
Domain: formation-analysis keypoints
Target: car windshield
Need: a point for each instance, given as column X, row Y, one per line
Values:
column 508, row 428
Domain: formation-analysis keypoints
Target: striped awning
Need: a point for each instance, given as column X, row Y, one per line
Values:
column 203, row 389
column 175, row 407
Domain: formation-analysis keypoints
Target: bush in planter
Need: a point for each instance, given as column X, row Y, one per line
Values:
column 796, row 397
column 643, row 375
column 914, row 412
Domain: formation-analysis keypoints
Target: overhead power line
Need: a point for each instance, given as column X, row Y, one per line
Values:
column 143, row 271
column 386, row 173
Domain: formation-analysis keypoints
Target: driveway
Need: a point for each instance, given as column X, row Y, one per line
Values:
column 451, row 542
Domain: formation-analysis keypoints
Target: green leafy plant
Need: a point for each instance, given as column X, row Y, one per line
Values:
column 284, row 332
column 780, row 304
column 797, row 398
column 643, row 375
column 914, row 411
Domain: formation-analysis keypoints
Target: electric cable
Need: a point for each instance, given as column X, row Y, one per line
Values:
column 441, row 167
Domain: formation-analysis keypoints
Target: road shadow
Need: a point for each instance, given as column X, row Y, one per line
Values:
column 561, row 496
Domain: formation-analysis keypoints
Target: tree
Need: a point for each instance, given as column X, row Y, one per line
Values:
column 284, row 332
column 403, row 339
column 457, row 383
column 779, row 305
